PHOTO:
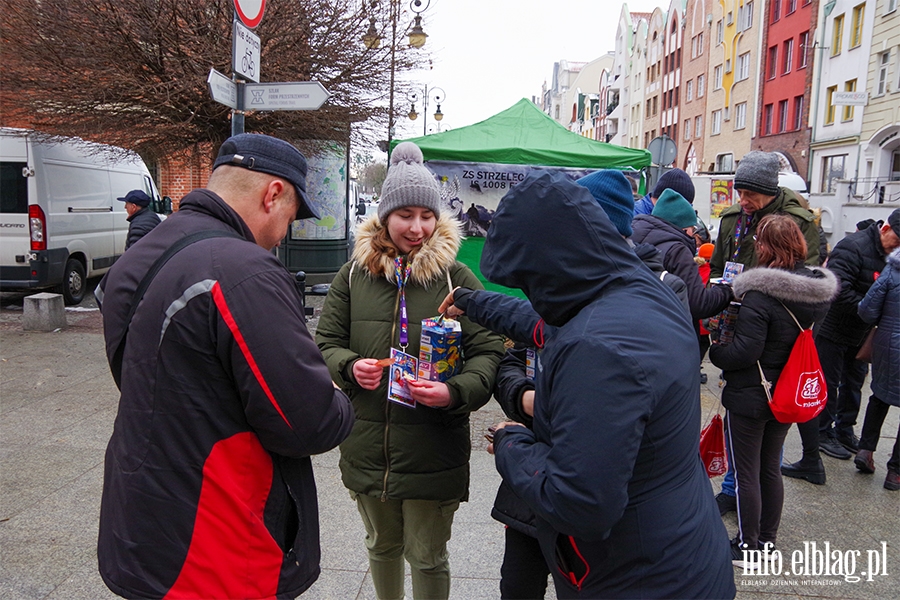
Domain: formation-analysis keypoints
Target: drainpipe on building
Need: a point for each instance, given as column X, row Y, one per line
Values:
column 829, row 6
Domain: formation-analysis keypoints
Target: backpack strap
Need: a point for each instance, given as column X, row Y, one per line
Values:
column 795, row 318
column 118, row 354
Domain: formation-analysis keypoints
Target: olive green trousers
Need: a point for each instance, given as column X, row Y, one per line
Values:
column 417, row 530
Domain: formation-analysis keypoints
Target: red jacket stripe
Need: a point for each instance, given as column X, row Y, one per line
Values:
column 219, row 299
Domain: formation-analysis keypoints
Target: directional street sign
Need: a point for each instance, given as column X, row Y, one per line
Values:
column 223, row 89
column 295, row 95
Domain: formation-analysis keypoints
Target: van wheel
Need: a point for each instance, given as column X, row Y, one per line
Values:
column 74, row 283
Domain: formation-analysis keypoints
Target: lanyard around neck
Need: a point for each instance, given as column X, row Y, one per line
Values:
column 402, row 270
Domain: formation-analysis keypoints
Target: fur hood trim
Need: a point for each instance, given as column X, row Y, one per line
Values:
column 894, row 258
column 788, row 286
column 431, row 262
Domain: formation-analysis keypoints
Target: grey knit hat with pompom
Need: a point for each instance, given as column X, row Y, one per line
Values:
column 408, row 183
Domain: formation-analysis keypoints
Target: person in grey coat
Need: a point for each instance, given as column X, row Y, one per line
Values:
column 881, row 306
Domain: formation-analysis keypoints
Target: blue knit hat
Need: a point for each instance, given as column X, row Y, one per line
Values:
column 673, row 208
column 677, row 180
column 611, row 190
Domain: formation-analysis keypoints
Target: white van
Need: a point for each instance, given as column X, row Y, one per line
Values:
column 60, row 222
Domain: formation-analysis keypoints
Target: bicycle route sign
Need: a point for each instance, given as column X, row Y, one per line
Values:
column 245, row 57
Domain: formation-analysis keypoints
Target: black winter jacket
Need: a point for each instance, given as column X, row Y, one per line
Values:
column 765, row 332
column 856, row 260
column 140, row 224
column 611, row 470
column 508, row 508
column 678, row 257
column 208, row 488
column 652, row 257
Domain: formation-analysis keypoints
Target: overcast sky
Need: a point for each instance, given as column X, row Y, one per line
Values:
column 488, row 54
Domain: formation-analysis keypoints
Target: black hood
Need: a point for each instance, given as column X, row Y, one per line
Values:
column 552, row 240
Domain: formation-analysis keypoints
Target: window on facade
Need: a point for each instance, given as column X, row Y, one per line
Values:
column 791, row 6
column 857, row 25
column 776, row 10
column 720, row 32
column 890, row 6
column 698, row 126
column 745, row 16
column 782, row 116
column 725, row 163
column 767, row 119
column 716, row 122
column 849, row 86
column 884, row 60
column 689, row 90
column 743, row 70
column 832, row 170
column 649, row 107
column 655, row 105
column 772, row 63
column 687, row 129
column 787, row 55
column 701, row 85
column 798, row 113
column 829, row 107
column 740, row 115
column 837, row 35
column 717, row 77
column 804, row 48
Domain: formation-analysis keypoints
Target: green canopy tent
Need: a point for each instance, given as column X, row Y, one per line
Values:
column 480, row 162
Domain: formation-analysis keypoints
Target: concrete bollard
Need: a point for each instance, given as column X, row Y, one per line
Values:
column 44, row 312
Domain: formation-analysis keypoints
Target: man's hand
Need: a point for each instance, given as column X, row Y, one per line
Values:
column 498, row 427
column 435, row 394
column 447, row 309
column 367, row 373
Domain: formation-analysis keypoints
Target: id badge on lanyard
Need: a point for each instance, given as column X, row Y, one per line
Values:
column 405, row 366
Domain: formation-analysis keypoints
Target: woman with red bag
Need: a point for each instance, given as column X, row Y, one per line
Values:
column 765, row 332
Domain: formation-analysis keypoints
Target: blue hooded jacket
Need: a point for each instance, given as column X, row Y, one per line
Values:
column 612, row 468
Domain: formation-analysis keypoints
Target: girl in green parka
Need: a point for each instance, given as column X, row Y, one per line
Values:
column 406, row 467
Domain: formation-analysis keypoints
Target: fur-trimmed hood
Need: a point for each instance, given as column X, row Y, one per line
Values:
column 894, row 258
column 820, row 285
column 431, row 262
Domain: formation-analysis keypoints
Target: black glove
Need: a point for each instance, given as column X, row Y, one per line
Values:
column 461, row 298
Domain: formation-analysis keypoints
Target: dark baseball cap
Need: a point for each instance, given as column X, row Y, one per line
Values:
column 894, row 221
column 270, row 155
column 136, row 197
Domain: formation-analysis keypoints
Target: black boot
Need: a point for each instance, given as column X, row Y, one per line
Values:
column 809, row 467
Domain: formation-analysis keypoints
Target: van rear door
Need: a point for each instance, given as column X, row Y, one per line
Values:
column 15, row 239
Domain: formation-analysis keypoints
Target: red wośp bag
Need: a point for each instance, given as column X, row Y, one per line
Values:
column 800, row 393
column 712, row 447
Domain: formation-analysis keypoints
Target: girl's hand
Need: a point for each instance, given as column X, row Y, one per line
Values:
column 435, row 394
column 367, row 373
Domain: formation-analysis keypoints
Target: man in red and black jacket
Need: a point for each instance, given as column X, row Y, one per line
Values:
column 208, row 487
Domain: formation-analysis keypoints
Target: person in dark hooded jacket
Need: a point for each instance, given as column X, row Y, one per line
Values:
column 773, row 296
column 611, row 470
column 671, row 229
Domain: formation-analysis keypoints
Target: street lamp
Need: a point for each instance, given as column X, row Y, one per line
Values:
column 437, row 96
column 417, row 38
